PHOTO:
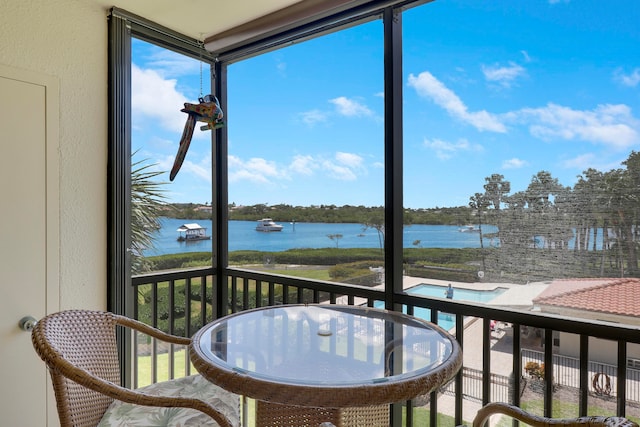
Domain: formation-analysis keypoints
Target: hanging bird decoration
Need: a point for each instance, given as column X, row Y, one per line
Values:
column 207, row 111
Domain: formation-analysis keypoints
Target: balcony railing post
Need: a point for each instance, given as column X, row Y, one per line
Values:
column 477, row 385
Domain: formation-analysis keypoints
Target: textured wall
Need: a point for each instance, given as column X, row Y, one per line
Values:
column 68, row 39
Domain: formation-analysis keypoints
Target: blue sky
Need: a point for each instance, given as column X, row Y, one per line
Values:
column 508, row 86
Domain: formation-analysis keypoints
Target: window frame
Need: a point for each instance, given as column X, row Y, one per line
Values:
column 123, row 26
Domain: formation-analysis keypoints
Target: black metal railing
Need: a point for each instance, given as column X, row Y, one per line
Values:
column 182, row 302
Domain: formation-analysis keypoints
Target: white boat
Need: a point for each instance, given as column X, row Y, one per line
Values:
column 469, row 229
column 192, row 232
column 267, row 224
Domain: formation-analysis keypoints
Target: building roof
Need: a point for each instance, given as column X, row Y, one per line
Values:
column 618, row 296
column 192, row 226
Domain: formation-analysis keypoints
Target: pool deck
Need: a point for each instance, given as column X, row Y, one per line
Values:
column 516, row 296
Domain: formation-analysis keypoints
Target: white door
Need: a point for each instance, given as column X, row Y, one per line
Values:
column 29, row 239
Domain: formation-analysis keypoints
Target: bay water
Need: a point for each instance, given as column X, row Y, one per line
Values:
column 299, row 235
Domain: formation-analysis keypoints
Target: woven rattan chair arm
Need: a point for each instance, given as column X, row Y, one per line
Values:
column 536, row 421
column 115, row 391
column 149, row 330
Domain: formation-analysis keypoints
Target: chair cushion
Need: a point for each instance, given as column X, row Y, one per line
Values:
column 194, row 386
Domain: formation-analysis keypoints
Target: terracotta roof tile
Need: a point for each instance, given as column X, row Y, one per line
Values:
column 619, row 296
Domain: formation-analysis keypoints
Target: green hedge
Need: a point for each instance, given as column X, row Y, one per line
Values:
column 145, row 306
column 352, row 269
column 450, row 274
column 184, row 260
column 322, row 256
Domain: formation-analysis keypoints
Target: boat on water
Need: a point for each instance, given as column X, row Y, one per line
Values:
column 192, row 232
column 267, row 225
column 469, row 229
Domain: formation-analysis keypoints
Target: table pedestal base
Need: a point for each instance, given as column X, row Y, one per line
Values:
column 276, row 415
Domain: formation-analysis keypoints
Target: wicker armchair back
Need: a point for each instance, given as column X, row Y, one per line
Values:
column 79, row 348
column 537, row 421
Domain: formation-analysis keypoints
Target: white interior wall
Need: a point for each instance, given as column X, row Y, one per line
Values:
column 67, row 39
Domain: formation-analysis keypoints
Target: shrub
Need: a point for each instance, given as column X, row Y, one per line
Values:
column 352, row 269
column 535, row 370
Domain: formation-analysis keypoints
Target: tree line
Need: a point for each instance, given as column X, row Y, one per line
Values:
column 323, row 213
column 546, row 230
column 599, row 215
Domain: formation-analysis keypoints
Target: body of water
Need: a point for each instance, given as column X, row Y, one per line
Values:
column 447, row 321
column 243, row 236
column 475, row 295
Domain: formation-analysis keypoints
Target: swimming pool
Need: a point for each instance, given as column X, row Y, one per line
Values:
column 459, row 294
column 448, row 321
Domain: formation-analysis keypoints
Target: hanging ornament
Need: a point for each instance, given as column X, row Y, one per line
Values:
column 207, row 111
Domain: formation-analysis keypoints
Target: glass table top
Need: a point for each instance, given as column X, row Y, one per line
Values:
column 325, row 345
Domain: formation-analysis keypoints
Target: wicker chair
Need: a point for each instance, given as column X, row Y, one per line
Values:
column 536, row 421
column 79, row 348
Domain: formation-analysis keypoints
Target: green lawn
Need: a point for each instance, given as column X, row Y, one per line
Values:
column 317, row 274
column 420, row 415
column 144, row 367
column 421, row 418
column 561, row 408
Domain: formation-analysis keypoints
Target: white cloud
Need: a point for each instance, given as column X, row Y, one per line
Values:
column 343, row 106
column 607, row 124
column 255, row 170
column 631, row 80
column 156, row 98
column 171, row 64
column 303, row 165
column 514, row 163
column 314, row 116
column 199, row 168
column 611, row 125
column 445, row 150
column 201, row 171
column 504, row 76
column 350, row 108
column 337, row 171
column 581, row 162
column 344, row 166
column 426, row 85
column 349, row 159
column 591, row 160
column 526, row 56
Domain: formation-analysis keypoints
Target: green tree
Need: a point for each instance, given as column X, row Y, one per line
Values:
column 376, row 221
column 479, row 202
column 495, row 190
column 336, row 238
column 147, row 201
column 622, row 189
column 633, row 205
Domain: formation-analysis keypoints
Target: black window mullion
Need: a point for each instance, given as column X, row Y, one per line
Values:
column 120, row 293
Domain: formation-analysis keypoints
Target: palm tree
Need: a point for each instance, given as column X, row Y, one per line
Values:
column 480, row 202
column 147, row 201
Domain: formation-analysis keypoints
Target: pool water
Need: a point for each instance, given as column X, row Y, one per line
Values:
column 448, row 321
column 459, row 294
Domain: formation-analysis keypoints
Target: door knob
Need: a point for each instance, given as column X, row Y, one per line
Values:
column 27, row 323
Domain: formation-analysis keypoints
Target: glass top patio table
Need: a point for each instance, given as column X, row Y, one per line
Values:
column 325, row 355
